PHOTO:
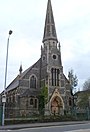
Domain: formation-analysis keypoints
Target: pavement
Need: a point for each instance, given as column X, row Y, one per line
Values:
column 33, row 125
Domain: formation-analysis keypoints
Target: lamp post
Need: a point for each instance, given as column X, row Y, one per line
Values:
column 4, row 95
column 89, row 107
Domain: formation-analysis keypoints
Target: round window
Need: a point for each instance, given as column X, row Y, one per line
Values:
column 54, row 57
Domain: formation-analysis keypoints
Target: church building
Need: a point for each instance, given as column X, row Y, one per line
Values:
column 22, row 93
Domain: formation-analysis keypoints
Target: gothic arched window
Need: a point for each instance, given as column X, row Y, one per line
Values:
column 55, row 76
column 35, row 103
column 70, row 101
column 58, row 72
column 33, row 82
column 31, row 101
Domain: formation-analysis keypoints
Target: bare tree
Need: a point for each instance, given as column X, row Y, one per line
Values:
column 73, row 80
column 86, row 85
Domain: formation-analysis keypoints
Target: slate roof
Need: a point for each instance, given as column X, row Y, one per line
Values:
column 15, row 83
column 66, row 79
column 83, row 92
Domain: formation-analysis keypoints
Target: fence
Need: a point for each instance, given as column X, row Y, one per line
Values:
column 81, row 114
column 32, row 114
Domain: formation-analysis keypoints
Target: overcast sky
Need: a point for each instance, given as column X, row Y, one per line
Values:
column 27, row 17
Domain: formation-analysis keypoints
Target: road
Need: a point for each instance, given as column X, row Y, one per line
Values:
column 64, row 128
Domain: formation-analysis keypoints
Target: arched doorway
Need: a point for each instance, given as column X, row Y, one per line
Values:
column 56, row 105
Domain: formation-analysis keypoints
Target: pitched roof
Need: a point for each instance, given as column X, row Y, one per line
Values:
column 26, row 71
column 66, row 79
column 83, row 92
column 15, row 83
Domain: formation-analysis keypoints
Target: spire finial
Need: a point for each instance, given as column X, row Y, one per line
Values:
column 49, row 29
column 20, row 70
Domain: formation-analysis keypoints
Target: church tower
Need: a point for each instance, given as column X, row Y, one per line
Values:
column 51, row 65
column 47, row 72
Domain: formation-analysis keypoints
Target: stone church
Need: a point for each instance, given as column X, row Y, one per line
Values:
column 22, row 93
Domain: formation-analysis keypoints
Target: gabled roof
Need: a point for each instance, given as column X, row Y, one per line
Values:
column 15, row 83
column 66, row 79
column 27, row 70
column 83, row 92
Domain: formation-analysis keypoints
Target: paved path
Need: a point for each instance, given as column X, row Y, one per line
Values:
column 32, row 125
column 85, row 130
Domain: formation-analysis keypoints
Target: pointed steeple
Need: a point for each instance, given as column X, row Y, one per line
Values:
column 49, row 29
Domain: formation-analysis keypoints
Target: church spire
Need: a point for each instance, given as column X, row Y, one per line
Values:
column 49, row 29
